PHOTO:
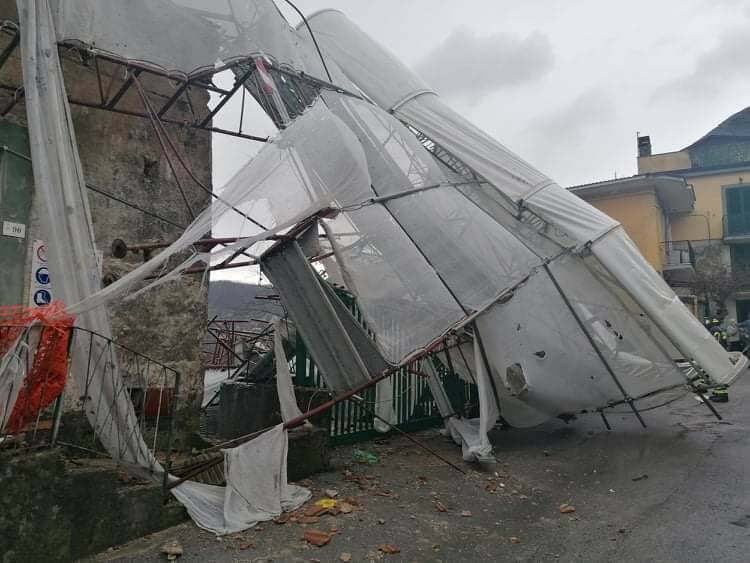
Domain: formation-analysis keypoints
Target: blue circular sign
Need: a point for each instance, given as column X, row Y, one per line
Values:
column 42, row 297
column 42, row 275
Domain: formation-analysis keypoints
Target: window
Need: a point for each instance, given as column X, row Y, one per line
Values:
column 740, row 257
column 737, row 201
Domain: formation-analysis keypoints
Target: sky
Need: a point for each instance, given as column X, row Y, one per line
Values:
column 566, row 85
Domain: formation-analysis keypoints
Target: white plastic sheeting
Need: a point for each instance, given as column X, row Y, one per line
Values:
column 66, row 226
column 619, row 255
column 256, row 474
column 284, row 386
column 401, row 297
column 188, row 36
column 472, row 253
column 363, row 60
column 292, row 177
column 566, row 220
column 257, row 489
column 470, row 434
column 12, row 371
column 418, row 263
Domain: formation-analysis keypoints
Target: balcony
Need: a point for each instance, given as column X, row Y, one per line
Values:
column 678, row 259
column 678, row 254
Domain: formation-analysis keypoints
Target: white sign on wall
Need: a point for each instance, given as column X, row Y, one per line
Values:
column 11, row 229
column 40, row 293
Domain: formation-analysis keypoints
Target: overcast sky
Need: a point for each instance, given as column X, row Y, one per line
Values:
column 565, row 84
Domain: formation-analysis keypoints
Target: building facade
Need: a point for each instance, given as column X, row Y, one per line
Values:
column 127, row 172
column 689, row 213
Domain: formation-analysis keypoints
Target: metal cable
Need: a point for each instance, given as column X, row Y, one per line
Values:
column 312, row 35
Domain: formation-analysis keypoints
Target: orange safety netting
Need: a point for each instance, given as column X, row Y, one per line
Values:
column 46, row 379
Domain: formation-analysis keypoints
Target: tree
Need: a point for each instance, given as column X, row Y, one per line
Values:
column 715, row 281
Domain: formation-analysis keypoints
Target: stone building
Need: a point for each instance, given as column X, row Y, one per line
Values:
column 122, row 157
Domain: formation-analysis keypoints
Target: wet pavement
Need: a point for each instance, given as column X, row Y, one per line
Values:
column 676, row 491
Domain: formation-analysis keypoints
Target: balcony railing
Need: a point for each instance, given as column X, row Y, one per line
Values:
column 678, row 254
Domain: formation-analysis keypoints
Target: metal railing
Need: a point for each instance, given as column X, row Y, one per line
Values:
column 137, row 386
column 678, row 254
column 413, row 405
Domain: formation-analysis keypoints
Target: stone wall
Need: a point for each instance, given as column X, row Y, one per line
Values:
column 51, row 510
column 121, row 155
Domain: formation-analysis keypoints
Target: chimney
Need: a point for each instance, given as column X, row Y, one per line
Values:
column 644, row 146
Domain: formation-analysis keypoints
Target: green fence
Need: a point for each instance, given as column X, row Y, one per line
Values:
column 413, row 405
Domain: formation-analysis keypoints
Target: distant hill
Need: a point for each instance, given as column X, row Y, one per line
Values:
column 238, row 301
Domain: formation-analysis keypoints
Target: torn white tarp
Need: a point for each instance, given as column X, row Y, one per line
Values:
column 257, row 489
column 292, row 177
column 188, row 36
column 470, row 434
column 633, row 304
column 284, row 385
column 12, row 371
column 67, row 228
column 256, row 477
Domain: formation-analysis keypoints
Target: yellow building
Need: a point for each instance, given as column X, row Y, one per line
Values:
column 684, row 202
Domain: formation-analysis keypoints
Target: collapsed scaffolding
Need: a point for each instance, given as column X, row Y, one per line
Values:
column 450, row 243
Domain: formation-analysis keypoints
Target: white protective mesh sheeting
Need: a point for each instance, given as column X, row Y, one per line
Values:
column 475, row 256
column 284, row 385
column 392, row 86
column 289, row 179
column 402, row 299
column 188, row 36
column 364, row 61
column 66, row 226
column 621, row 257
column 470, row 434
column 12, row 371
column 257, row 489
column 384, row 406
column 563, row 374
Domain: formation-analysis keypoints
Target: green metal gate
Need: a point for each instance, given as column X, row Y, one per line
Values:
column 413, row 404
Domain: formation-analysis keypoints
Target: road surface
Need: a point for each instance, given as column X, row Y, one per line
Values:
column 676, row 491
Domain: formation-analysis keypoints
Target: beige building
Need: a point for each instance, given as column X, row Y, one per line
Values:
column 683, row 203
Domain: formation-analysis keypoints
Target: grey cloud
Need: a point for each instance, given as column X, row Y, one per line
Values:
column 467, row 64
column 714, row 70
column 577, row 132
column 584, row 115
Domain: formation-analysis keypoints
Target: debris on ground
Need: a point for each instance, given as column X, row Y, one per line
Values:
column 466, row 513
column 515, row 539
column 331, row 493
column 172, row 549
column 640, row 477
column 567, row 508
column 346, row 508
column 345, row 557
column 309, row 520
column 440, row 507
column 362, row 456
column 318, row 538
column 326, row 503
column 283, row 518
column 389, row 548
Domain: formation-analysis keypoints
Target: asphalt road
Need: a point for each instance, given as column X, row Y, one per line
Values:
column 676, row 491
